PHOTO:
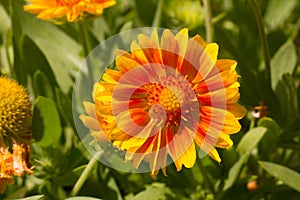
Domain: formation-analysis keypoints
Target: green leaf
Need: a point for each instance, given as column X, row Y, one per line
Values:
column 235, row 171
column 36, row 197
column 65, row 106
column 60, row 50
column 278, row 12
column 114, row 188
column 269, row 141
column 70, row 178
column 46, row 125
column 155, row 191
column 5, row 23
column 284, row 61
column 250, row 140
column 287, row 95
column 41, row 85
column 286, row 175
column 272, row 127
column 82, row 198
column 146, row 13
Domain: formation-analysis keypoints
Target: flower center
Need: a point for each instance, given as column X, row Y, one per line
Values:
column 172, row 93
column 168, row 99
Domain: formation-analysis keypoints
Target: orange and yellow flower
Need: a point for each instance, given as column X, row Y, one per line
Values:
column 164, row 97
column 70, row 10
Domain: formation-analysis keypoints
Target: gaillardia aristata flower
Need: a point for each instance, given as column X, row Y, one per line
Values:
column 165, row 96
column 67, row 10
column 15, row 133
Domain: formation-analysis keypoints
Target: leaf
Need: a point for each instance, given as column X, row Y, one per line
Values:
column 272, row 127
column 250, row 140
column 46, row 125
column 41, row 85
column 287, row 95
column 155, row 191
column 5, row 23
column 235, row 171
column 82, row 198
column 284, row 61
column 60, row 50
column 65, row 106
column 36, row 197
column 113, row 186
column 286, row 175
column 278, row 12
column 146, row 13
column 269, row 141
column 70, row 178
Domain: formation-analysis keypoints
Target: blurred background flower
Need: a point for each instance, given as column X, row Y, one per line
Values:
column 67, row 10
column 185, row 13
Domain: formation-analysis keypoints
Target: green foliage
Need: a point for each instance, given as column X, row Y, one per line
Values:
column 46, row 125
column 286, row 175
column 45, row 58
column 250, row 140
column 284, row 61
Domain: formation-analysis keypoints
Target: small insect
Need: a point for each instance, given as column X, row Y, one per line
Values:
column 260, row 111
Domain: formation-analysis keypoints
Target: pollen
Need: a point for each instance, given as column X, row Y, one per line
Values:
column 169, row 100
column 172, row 94
column 15, row 108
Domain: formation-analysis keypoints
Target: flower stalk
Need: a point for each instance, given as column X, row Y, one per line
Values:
column 157, row 18
column 263, row 38
column 86, row 48
column 86, row 173
column 208, row 21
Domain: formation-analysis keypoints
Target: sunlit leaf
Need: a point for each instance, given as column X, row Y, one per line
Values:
column 278, row 12
column 284, row 61
column 36, row 197
column 82, row 198
column 250, row 140
column 286, row 175
column 235, row 171
column 46, row 124
column 60, row 50
column 155, row 191
column 4, row 20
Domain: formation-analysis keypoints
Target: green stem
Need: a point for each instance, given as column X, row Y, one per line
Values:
column 11, row 14
column 208, row 21
column 86, row 173
column 5, row 42
column 207, row 180
column 263, row 39
column 86, row 49
column 157, row 17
